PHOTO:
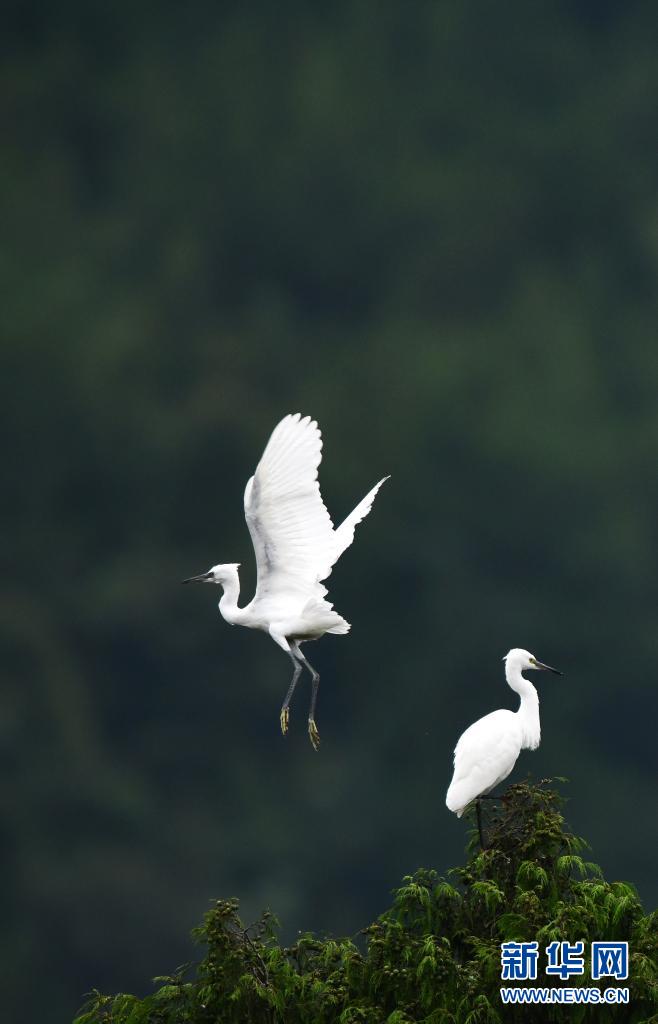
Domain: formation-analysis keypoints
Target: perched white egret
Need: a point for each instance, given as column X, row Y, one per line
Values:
column 296, row 546
column 486, row 753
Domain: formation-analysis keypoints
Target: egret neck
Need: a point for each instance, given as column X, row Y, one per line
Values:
column 228, row 604
column 529, row 707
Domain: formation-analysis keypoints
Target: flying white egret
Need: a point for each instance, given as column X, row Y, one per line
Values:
column 296, row 545
column 486, row 753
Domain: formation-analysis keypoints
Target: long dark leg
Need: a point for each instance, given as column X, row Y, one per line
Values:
column 479, row 821
column 313, row 733
column 285, row 714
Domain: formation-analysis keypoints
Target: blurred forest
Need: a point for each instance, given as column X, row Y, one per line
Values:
column 434, row 227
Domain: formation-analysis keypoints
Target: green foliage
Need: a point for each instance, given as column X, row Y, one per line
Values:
column 434, row 956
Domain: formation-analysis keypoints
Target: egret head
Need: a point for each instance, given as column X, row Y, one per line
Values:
column 524, row 660
column 218, row 574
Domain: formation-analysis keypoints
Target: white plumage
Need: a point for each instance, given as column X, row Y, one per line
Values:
column 488, row 750
column 296, row 546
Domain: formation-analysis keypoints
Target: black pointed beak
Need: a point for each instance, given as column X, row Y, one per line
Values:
column 205, row 577
column 547, row 668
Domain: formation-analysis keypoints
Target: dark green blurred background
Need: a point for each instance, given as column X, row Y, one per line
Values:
column 434, row 227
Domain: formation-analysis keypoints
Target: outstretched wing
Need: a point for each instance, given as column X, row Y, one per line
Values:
column 344, row 534
column 290, row 528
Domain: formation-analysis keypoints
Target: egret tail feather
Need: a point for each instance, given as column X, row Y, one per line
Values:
column 341, row 628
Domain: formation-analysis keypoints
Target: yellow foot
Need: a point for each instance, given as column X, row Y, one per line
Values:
column 313, row 734
column 283, row 718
